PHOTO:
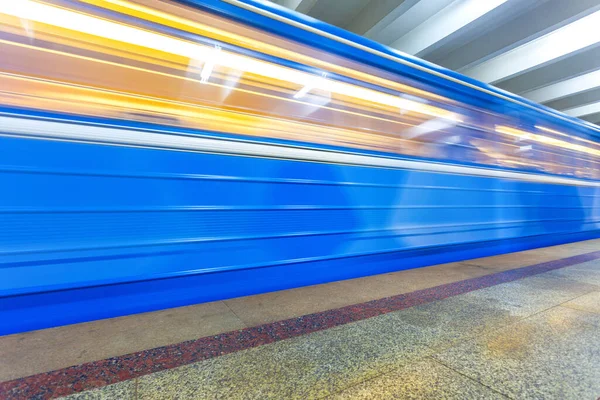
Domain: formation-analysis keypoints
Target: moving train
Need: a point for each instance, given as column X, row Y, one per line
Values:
column 157, row 154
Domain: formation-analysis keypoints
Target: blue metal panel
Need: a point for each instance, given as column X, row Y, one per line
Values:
column 36, row 311
column 97, row 231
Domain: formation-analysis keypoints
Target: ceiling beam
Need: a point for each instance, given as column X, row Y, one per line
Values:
column 563, row 41
column 376, row 15
column 303, row 6
column 403, row 18
column 593, row 118
column 449, row 20
column 565, row 88
column 576, row 100
column 517, row 21
column 577, row 64
column 583, row 110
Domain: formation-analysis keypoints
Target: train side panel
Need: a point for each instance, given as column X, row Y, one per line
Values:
column 98, row 231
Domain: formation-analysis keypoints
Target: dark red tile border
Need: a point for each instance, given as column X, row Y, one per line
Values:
column 112, row 370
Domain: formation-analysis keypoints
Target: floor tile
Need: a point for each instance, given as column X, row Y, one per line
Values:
column 552, row 355
column 588, row 272
column 531, row 257
column 426, row 379
column 566, row 250
column 285, row 304
column 119, row 391
column 530, row 295
column 420, row 278
column 50, row 349
column 593, row 245
column 589, row 302
column 510, row 261
column 276, row 306
column 311, row 366
column 442, row 323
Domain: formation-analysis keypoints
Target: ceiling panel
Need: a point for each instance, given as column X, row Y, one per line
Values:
column 546, row 49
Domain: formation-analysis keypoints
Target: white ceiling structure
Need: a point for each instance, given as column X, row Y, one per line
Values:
column 544, row 50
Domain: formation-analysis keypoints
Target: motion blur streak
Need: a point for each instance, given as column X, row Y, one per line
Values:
column 94, row 26
column 545, row 139
column 162, row 153
column 373, row 119
column 179, row 17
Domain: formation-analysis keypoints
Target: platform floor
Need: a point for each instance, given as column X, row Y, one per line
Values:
column 520, row 326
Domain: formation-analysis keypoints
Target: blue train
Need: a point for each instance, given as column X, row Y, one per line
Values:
column 163, row 153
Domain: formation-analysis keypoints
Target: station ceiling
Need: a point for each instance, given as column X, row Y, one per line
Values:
column 544, row 50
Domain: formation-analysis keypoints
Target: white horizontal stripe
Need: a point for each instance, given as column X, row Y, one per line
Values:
column 146, row 138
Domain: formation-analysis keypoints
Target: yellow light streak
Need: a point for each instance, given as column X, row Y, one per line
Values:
column 175, row 21
column 543, row 128
column 119, row 32
column 548, row 153
column 72, row 98
column 506, row 130
column 189, row 79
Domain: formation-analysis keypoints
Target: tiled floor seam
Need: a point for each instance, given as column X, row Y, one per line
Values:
column 562, row 305
column 404, row 365
column 237, row 316
column 383, row 373
column 435, row 360
column 572, row 280
column 581, row 295
column 491, row 330
column 434, row 350
column 491, row 269
column 205, row 348
column 580, row 310
column 521, row 319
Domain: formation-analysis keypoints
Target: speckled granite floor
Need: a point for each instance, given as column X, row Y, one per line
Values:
column 519, row 333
